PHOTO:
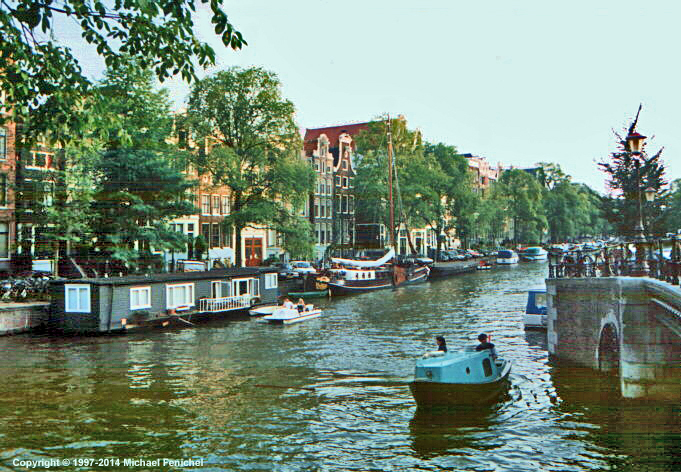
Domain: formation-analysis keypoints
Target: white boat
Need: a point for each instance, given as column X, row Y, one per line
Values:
column 292, row 315
column 263, row 310
column 506, row 256
column 534, row 254
column 535, row 316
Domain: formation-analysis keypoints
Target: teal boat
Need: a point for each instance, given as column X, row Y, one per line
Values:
column 467, row 377
column 311, row 294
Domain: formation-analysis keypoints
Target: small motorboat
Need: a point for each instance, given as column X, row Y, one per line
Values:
column 292, row 315
column 535, row 316
column 466, row 377
column 263, row 310
column 483, row 265
column 534, row 253
column 506, row 256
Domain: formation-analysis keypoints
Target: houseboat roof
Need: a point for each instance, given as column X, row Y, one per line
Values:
column 171, row 277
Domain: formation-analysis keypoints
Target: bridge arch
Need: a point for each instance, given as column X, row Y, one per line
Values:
column 609, row 349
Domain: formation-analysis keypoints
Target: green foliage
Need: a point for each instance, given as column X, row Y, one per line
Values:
column 525, row 204
column 44, row 81
column 627, row 175
column 253, row 148
column 200, row 246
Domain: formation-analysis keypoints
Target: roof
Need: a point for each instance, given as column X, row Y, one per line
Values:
column 331, row 132
column 170, row 277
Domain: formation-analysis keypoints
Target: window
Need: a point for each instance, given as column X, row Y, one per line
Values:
column 322, row 210
column 345, row 182
column 344, row 204
column 4, row 240
column 254, row 287
column 351, row 182
column 316, row 209
column 345, row 164
column 205, row 204
column 338, row 181
column 215, row 235
column 77, row 298
column 190, row 230
column 205, row 231
column 180, row 295
column 216, row 204
column 270, row 281
column 227, row 237
column 140, row 297
column 225, row 205
column 40, row 159
column 351, row 207
column 3, row 143
column 3, row 189
column 316, row 165
column 220, row 289
column 338, row 203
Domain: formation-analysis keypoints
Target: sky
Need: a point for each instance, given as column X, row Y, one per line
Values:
column 517, row 82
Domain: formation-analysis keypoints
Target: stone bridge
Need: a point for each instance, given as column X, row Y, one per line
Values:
column 625, row 325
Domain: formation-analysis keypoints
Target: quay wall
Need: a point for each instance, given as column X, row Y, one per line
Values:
column 22, row 317
column 629, row 325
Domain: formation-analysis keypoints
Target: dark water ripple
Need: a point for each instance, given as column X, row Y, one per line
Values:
column 327, row 395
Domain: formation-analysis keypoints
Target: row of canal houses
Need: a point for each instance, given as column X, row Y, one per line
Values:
column 27, row 176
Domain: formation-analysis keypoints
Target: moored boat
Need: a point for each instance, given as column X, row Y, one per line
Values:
column 263, row 310
column 535, row 311
column 506, row 256
column 292, row 315
column 310, row 294
column 534, row 254
column 466, row 377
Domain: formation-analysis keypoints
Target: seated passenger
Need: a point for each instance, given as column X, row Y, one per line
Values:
column 288, row 304
column 441, row 343
column 301, row 305
column 484, row 344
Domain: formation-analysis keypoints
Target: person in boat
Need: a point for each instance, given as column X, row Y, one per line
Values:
column 441, row 343
column 485, row 344
column 301, row 305
column 288, row 303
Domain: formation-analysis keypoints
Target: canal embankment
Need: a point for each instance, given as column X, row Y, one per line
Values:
column 18, row 317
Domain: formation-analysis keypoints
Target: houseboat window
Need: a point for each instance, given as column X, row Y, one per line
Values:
column 220, row 289
column 487, row 366
column 179, row 295
column 77, row 298
column 270, row 281
column 240, row 287
column 140, row 297
column 254, row 287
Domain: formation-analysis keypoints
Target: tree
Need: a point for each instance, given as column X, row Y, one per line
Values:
column 42, row 79
column 627, row 174
column 524, row 194
column 140, row 183
column 248, row 142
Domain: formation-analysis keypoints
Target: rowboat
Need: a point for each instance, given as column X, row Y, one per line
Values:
column 466, row 377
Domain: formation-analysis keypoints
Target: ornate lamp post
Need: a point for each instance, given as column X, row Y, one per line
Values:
column 635, row 146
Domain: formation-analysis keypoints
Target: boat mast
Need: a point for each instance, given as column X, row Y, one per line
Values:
column 390, row 187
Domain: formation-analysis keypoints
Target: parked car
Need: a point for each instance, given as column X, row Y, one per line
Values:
column 284, row 269
column 474, row 253
column 302, row 268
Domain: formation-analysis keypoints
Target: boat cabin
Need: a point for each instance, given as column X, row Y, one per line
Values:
column 99, row 305
column 464, row 367
column 536, row 302
column 360, row 274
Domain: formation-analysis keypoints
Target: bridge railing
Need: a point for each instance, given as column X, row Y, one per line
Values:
column 658, row 258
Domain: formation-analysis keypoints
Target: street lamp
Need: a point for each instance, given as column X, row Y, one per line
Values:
column 635, row 146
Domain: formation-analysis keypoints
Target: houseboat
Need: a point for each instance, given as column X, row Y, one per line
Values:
column 506, row 256
column 534, row 254
column 119, row 304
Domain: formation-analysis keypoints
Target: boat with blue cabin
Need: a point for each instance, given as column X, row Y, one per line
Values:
column 507, row 256
column 534, row 253
column 466, row 377
column 535, row 316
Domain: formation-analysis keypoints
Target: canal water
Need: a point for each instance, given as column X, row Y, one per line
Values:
column 329, row 394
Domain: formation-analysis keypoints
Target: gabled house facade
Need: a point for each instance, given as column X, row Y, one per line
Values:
column 330, row 151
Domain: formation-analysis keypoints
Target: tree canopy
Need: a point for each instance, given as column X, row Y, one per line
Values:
column 43, row 80
column 246, row 140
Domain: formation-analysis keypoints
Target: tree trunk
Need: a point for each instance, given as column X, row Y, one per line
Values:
column 238, row 256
